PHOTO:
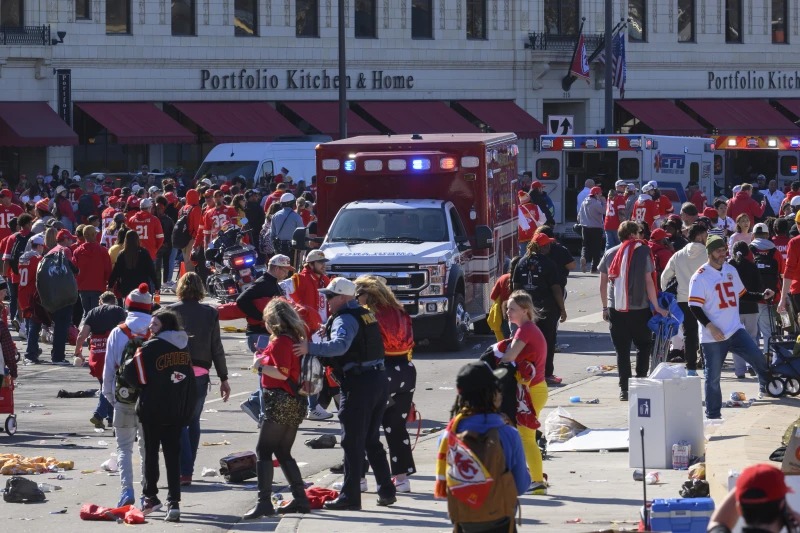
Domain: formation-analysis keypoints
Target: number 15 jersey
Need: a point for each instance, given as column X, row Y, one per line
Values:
column 717, row 292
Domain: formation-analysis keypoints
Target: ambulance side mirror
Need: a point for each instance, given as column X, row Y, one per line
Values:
column 299, row 239
column 483, row 238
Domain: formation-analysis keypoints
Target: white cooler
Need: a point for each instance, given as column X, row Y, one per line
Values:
column 670, row 411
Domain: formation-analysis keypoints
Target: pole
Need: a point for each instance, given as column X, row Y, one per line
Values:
column 609, row 90
column 569, row 79
column 342, row 76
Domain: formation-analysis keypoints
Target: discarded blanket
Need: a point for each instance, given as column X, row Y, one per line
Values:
column 14, row 464
column 127, row 513
column 317, row 496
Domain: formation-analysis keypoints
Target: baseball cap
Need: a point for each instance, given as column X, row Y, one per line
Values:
column 225, row 187
column 620, row 183
column 5, row 193
column 761, row 177
column 536, row 185
column 761, row 483
column 280, row 260
column 795, row 201
column 736, row 189
column 287, row 197
column 761, row 228
column 653, row 184
column 647, row 187
column 315, row 255
column 206, row 182
column 153, row 189
column 147, row 203
column 714, row 242
column 631, row 186
column 658, row 234
column 595, row 190
column 64, row 234
column 340, row 286
column 37, row 240
column 710, row 212
column 133, row 203
column 477, row 376
column 542, row 240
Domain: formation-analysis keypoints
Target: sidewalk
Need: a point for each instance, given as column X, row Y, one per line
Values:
column 596, row 489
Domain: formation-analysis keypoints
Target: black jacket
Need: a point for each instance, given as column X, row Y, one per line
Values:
column 201, row 322
column 163, row 367
column 130, row 278
column 255, row 220
column 748, row 273
column 265, row 287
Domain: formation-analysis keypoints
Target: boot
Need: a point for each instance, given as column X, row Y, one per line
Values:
column 264, row 506
column 300, row 502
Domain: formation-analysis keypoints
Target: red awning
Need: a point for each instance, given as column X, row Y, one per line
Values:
column 238, row 121
column 791, row 105
column 418, row 117
column 33, row 124
column 663, row 117
column 504, row 115
column 324, row 116
column 742, row 117
column 137, row 123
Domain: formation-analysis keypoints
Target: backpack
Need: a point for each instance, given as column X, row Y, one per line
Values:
column 265, row 245
column 311, row 376
column 180, row 232
column 18, row 248
column 22, row 490
column 55, row 282
column 86, row 205
column 767, row 266
column 127, row 392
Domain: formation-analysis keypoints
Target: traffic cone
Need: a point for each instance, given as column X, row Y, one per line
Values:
column 182, row 270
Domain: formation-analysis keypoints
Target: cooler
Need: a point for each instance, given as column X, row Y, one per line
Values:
column 690, row 515
column 670, row 411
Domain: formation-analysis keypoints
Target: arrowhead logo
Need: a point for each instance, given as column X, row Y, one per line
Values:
column 177, row 377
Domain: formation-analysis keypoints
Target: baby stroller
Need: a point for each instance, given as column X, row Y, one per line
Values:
column 7, row 403
column 784, row 364
column 664, row 328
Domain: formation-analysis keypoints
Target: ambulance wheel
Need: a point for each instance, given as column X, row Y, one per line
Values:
column 455, row 334
column 776, row 387
column 792, row 386
column 11, row 425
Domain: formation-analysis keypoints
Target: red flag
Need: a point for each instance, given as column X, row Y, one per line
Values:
column 580, row 62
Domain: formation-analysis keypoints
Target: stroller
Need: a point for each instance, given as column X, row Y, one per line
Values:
column 784, row 364
column 7, row 403
column 664, row 328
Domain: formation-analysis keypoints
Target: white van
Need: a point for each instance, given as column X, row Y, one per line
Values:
column 258, row 162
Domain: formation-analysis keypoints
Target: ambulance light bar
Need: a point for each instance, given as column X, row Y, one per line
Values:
column 612, row 143
column 420, row 164
column 350, row 165
column 471, row 161
column 397, row 164
column 547, row 144
column 569, row 143
column 373, row 165
column 795, row 143
column 591, row 143
column 793, row 169
column 772, row 143
column 732, row 141
column 635, row 143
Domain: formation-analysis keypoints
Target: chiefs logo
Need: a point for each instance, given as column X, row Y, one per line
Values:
column 177, row 377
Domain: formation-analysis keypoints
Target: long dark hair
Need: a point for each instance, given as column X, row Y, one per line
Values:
column 169, row 320
column 478, row 402
column 130, row 250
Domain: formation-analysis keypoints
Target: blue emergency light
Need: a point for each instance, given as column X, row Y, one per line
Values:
column 420, row 164
column 795, row 143
column 350, row 165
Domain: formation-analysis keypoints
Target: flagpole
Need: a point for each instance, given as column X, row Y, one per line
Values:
column 609, row 90
column 569, row 79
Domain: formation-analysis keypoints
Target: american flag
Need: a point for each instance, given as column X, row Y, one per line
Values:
column 619, row 67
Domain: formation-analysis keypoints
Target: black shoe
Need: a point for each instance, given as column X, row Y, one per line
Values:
column 261, row 509
column 751, row 371
column 386, row 501
column 623, row 396
column 295, row 506
column 341, row 504
column 337, row 469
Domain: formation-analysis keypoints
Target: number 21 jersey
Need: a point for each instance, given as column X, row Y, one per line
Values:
column 717, row 292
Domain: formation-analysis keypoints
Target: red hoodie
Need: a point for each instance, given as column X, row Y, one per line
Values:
column 192, row 207
column 94, row 267
column 742, row 203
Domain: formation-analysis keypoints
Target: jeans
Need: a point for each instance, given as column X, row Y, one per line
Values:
column 62, row 320
column 165, row 264
column 104, row 409
column 750, row 323
column 190, row 436
column 626, row 328
column 126, row 424
column 34, row 327
column 690, row 333
column 715, row 352
column 89, row 300
column 612, row 238
column 592, row 249
column 13, row 290
column 169, row 438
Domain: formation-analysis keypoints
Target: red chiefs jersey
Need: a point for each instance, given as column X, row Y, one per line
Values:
column 8, row 247
column 217, row 217
column 6, row 214
column 529, row 218
column 151, row 234
column 645, row 211
column 613, row 209
column 28, row 264
column 107, row 217
column 665, row 206
column 74, row 194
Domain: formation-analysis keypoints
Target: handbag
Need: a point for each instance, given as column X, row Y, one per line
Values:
column 414, row 416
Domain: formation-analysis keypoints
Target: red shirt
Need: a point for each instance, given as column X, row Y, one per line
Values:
column 743, row 203
column 699, row 200
column 274, row 197
column 613, row 208
column 215, row 218
column 151, row 234
column 535, row 350
column 781, row 242
column 306, row 215
column 8, row 248
column 6, row 214
column 502, row 288
column 645, row 211
column 27, row 283
column 792, row 269
column 94, row 265
column 665, row 206
column 306, row 285
column 280, row 355
column 195, row 217
column 107, row 217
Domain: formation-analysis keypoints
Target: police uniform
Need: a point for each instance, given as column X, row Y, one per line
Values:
column 355, row 350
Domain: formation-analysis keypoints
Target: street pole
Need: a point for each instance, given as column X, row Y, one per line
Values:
column 609, row 90
column 342, row 76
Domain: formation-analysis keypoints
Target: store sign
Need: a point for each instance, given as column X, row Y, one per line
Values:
column 753, row 80
column 261, row 79
column 64, row 101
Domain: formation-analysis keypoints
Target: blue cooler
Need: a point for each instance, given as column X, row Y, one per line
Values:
column 690, row 515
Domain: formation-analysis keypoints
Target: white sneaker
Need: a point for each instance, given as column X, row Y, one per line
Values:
column 318, row 413
column 22, row 331
column 339, row 484
column 402, row 486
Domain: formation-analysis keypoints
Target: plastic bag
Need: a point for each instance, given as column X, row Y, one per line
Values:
column 55, row 282
column 668, row 371
column 559, row 426
column 22, row 490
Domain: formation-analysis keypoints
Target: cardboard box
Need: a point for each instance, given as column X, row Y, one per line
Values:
column 670, row 411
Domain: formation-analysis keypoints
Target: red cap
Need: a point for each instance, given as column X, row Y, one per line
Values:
column 536, row 185
column 542, row 240
column 595, row 190
column 43, row 205
column 658, row 235
column 5, row 193
column 118, row 192
column 710, row 212
column 64, row 234
column 209, row 193
column 225, row 188
column 760, row 484
column 171, row 198
column 133, row 202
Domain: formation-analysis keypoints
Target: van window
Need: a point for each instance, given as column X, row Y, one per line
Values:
column 547, row 169
column 229, row 169
column 694, row 172
column 629, row 168
column 267, row 170
column 717, row 165
column 789, row 165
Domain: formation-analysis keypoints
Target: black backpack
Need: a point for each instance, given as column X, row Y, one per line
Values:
column 86, row 205
column 180, row 232
column 22, row 490
column 20, row 242
column 125, row 391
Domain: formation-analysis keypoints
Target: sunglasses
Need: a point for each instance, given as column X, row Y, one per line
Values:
column 330, row 296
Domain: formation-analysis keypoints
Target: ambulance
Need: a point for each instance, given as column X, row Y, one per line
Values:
column 434, row 215
column 740, row 159
column 563, row 164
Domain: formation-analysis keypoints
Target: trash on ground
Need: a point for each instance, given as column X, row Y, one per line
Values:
column 592, row 401
column 22, row 490
column 559, row 426
column 694, row 488
column 35, row 405
column 652, row 477
column 697, row 471
column 62, row 511
column 669, row 371
column 110, row 464
column 211, row 411
column 15, row 464
column 446, row 388
column 235, row 375
column 127, row 513
column 680, row 455
column 321, row 442
column 208, row 472
column 102, row 443
column 98, row 430
column 220, row 443
column 88, row 393
column 47, row 487
column 593, row 440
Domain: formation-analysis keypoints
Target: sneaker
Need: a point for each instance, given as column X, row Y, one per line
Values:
column 364, row 487
column 691, row 373
column 15, row 324
column 318, row 413
column 751, row 371
column 186, row 481
column 23, row 332
column 402, row 486
column 173, row 513
column 553, row 380
column 150, row 505
column 126, row 497
column 27, row 362
column 537, row 489
column 98, row 422
column 583, row 265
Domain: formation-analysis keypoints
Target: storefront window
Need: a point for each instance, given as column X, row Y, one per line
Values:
column 118, row 17
column 83, row 9
column 685, row 21
column 476, row 19
column 561, row 17
column 733, row 21
column 780, row 12
column 245, row 14
column 422, row 19
column 307, row 21
column 637, row 14
column 11, row 13
column 183, row 17
column 365, row 19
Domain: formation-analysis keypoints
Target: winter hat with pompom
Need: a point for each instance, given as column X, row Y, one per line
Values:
column 140, row 300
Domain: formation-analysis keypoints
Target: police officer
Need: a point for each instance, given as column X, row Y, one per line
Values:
column 284, row 223
column 355, row 351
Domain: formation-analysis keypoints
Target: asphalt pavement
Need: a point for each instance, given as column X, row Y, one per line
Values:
column 589, row 491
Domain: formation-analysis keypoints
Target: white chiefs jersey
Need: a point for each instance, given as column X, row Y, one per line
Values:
column 717, row 292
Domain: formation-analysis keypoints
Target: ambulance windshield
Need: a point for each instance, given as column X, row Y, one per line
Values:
column 410, row 225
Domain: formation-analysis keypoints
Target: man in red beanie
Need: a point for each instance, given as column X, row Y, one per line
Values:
column 760, row 500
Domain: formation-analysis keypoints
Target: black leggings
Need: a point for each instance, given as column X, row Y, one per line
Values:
column 275, row 439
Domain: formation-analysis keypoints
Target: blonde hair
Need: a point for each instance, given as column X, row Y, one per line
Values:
column 190, row 287
column 79, row 231
column 524, row 301
column 89, row 233
column 50, row 238
column 281, row 318
column 739, row 219
column 377, row 293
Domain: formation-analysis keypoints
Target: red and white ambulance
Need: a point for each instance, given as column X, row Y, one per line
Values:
column 740, row 158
